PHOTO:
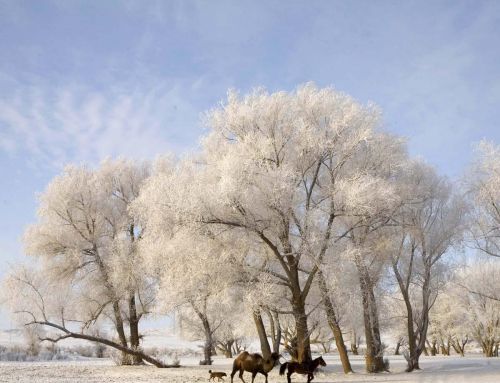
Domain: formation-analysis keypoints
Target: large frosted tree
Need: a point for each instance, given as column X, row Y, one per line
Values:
column 86, row 239
column 279, row 170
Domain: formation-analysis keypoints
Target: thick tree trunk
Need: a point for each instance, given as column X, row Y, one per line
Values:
column 134, row 328
column 303, row 339
column 121, row 332
column 334, row 325
column 374, row 351
column 208, row 346
column 261, row 331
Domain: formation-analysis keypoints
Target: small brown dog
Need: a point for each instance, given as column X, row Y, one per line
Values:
column 215, row 374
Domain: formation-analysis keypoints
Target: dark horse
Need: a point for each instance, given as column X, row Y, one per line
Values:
column 305, row 368
column 253, row 363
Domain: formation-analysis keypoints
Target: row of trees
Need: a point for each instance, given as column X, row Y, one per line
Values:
column 298, row 217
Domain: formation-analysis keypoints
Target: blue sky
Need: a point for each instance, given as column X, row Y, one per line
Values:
column 80, row 81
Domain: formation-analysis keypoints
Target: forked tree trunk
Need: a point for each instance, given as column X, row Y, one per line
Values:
column 226, row 347
column 432, row 347
column 445, row 347
column 489, row 346
column 275, row 330
column 416, row 338
column 334, row 325
column 459, row 345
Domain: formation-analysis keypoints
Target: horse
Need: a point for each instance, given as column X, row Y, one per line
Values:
column 253, row 363
column 304, row 368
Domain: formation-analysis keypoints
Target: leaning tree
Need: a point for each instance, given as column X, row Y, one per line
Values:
column 87, row 242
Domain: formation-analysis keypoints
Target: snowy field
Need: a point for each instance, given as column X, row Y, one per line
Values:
column 470, row 369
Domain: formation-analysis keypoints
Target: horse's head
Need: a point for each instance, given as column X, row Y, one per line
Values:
column 322, row 361
column 274, row 358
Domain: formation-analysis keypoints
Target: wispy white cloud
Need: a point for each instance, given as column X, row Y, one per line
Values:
column 76, row 123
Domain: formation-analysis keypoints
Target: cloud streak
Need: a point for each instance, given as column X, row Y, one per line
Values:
column 81, row 124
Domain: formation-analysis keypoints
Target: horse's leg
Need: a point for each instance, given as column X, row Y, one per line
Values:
column 288, row 375
column 241, row 376
column 310, row 377
column 234, row 372
column 253, row 375
column 265, row 374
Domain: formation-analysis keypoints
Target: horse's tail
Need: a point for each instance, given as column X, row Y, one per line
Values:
column 283, row 368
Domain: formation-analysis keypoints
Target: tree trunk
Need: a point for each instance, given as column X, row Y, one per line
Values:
column 303, row 340
column 355, row 343
column 334, row 325
column 489, row 347
column 374, row 351
column 134, row 329
column 238, row 346
column 208, row 346
column 226, row 347
column 432, row 347
column 459, row 345
column 121, row 332
column 275, row 330
column 261, row 331
column 398, row 345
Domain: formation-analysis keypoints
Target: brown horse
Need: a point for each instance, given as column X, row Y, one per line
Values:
column 253, row 363
column 305, row 368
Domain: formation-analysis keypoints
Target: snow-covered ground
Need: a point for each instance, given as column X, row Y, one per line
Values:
column 471, row 369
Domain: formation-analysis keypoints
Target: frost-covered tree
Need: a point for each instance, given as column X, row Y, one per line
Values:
column 483, row 187
column 450, row 319
column 86, row 240
column 196, row 274
column 428, row 224
column 279, row 169
column 479, row 295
